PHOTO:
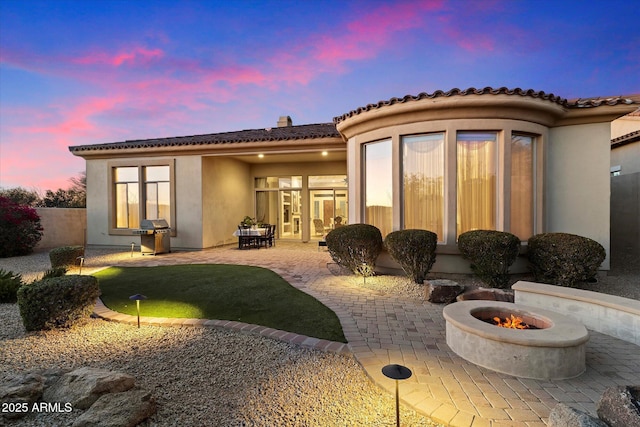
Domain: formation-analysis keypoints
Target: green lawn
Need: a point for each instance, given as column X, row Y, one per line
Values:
column 219, row 291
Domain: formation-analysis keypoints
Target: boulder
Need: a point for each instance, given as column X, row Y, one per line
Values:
column 565, row 416
column 441, row 290
column 83, row 386
column 20, row 389
column 620, row 406
column 124, row 409
column 487, row 294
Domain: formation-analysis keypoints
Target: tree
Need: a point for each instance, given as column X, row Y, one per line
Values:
column 73, row 197
column 22, row 196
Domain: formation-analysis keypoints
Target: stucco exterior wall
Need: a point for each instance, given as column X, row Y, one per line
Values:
column 98, row 205
column 577, row 183
column 62, row 227
column 227, row 196
column 188, row 192
column 625, row 125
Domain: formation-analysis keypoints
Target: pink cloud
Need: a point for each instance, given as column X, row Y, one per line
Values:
column 137, row 55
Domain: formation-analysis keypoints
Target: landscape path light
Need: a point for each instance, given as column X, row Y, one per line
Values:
column 137, row 298
column 81, row 258
column 133, row 244
column 397, row 372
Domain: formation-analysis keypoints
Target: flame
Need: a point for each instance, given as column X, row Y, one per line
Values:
column 512, row 322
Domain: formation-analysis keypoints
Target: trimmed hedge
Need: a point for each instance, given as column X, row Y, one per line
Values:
column 9, row 285
column 58, row 302
column 491, row 254
column 414, row 250
column 356, row 247
column 564, row 259
column 65, row 256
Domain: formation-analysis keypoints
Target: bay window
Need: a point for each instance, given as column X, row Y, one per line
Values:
column 476, row 181
column 522, row 179
column 378, row 178
column 423, row 182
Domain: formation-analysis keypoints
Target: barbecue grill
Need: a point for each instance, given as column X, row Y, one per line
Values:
column 155, row 236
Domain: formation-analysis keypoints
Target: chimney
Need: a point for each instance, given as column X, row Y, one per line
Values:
column 285, row 121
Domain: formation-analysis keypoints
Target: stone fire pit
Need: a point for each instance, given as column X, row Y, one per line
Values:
column 556, row 350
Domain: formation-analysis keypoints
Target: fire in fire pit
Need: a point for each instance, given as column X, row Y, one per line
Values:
column 511, row 322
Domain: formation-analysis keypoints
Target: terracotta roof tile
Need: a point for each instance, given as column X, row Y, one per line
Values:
column 575, row 103
column 321, row 130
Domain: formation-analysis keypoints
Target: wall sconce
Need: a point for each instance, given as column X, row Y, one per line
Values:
column 137, row 298
column 397, row 372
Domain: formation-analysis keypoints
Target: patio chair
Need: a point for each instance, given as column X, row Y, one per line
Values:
column 245, row 240
column 319, row 226
column 267, row 239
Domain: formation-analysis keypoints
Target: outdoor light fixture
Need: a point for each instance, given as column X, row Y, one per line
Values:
column 137, row 298
column 133, row 244
column 325, row 153
column 397, row 372
column 81, row 258
column 260, row 156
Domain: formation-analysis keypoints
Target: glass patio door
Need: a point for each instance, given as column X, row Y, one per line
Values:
column 328, row 211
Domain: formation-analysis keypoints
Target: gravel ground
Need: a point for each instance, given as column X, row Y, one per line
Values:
column 224, row 378
column 200, row 376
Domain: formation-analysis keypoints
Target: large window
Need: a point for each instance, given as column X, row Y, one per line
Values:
column 378, row 182
column 141, row 192
column 522, row 179
column 423, row 182
column 476, row 181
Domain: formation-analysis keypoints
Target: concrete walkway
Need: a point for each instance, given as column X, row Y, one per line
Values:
column 383, row 329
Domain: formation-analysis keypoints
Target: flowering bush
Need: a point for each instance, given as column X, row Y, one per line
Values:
column 20, row 228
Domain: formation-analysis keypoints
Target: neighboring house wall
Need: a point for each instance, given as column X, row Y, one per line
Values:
column 625, row 124
column 627, row 157
column 62, row 227
column 577, row 182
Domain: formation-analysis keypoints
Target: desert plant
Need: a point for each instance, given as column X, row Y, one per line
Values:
column 564, row 259
column 57, row 302
column 9, row 285
column 414, row 250
column 66, row 256
column 20, row 228
column 54, row 272
column 491, row 254
column 356, row 247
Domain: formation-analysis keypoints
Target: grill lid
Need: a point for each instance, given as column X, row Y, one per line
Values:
column 153, row 224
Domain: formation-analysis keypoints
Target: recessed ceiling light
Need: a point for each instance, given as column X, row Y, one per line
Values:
column 324, row 153
column 261, row 155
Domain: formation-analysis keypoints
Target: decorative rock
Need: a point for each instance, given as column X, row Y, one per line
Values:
column 620, row 406
column 564, row 416
column 84, row 386
column 125, row 409
column 441, row 290
column 487, row 294
column 21, row 388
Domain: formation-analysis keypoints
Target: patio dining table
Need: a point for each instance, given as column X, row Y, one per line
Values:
column 251, row 232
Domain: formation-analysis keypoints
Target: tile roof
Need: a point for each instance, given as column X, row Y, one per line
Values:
column 573, row 103
column 320, row 130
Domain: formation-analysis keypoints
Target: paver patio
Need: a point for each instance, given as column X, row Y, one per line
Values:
column 383, row 329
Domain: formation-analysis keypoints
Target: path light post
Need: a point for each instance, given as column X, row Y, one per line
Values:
column 133, row 244
column 397, row 372
column 81, row 258
column 137, row 298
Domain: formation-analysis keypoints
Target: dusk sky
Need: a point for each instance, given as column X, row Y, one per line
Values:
column 92, row 71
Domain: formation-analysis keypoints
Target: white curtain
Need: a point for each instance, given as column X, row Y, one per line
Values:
column 423, row 182
column 476, row 181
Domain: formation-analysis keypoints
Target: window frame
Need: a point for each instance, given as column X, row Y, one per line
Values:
column 142, row 192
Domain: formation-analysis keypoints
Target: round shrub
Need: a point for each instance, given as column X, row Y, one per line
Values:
column 9, row 285
column 20, row 228
column 414, row 250
column 65, row 256
column 58, row 302
column 564, row 259
column 356, row 247
column 491, row 254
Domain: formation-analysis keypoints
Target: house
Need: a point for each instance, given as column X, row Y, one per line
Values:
column 514, row 160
